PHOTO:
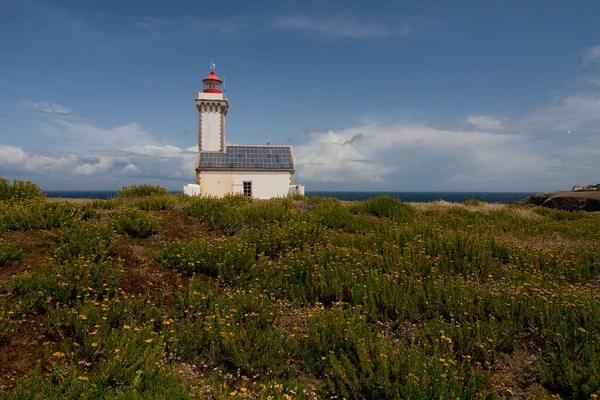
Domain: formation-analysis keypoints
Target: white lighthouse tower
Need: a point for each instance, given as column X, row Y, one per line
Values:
column 257, row 171
column 212, row 108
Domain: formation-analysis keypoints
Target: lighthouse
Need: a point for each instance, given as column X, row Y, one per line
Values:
column 212, row 108
column 257, row 171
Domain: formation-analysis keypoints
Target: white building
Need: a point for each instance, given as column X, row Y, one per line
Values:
column 259, row 171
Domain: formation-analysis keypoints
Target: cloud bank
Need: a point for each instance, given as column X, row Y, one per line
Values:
column 413, row 157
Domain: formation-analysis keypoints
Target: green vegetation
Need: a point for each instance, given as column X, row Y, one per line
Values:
column 19, row 190
column 152, row 295
column 134, row 223
column 9, row 252
column 141, row 191
column 473, row 202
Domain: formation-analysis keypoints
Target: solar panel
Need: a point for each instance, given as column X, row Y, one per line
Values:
column 248, row 157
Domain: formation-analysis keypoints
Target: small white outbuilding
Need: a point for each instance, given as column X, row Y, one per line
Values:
column 258, row 171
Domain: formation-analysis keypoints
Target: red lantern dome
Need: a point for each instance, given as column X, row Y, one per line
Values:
column 212, row 83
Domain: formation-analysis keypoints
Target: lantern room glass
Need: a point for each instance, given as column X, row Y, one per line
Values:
column 212, row 85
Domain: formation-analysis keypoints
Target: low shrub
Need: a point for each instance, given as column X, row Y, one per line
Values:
column 9, row 252
column 39, row 214
column 473, row 202
column 93, row 241
column 386, row 206
column 227, row 257
column 273, row 240
column 153, row 203
column 272, row 211
column 237, row 331
column 225, row 214
column 141, row 191
column 108, row 204
column 64, row 283
column 358, row 361
column 19, row 190
column 134, row 223
column 332, row 213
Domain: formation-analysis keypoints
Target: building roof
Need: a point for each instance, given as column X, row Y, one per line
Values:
column 212, row 77
column 247, row 157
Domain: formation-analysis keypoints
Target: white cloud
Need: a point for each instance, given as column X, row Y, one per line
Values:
column 124, row 136
column 100, row 154
column 328, row 158
column 422, row 158
column 166, row 163
column 591, row 53
column 340, row 27
column 191, row 24
column 576, row 112
column 485, row 122
column 47, row 107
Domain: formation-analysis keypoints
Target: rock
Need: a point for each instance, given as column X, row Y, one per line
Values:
column 567, row 201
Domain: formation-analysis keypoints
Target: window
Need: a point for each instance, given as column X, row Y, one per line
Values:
column 248, row 189
column 212, row 85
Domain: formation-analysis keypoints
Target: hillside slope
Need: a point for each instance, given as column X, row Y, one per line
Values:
column 151, row 295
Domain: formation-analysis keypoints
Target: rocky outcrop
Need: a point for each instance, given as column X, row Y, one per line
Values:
column 568, row 201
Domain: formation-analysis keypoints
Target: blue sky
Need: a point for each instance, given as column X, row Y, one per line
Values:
column 381, row 95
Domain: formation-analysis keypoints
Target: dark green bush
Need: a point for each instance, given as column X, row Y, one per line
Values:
column 92, row 241
column 227, row 258
column 223, row 214
column 386, row 206
column 153, row 203
column 9, row 252
column 273, row 240
column 473, row 202
column 134, row 223
column 275, row 210
column 141, row 191
column 65, row 283
column 332, row 213
column 19, row 190
column 39, row 214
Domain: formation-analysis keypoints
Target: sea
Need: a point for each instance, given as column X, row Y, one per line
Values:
column 413, row 197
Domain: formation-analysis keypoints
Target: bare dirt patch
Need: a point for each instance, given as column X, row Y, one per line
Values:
column 179, row 226
column 294, row 319
column 37, row 245
column 141, row 273
column 515, row 376
column 22, row 351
